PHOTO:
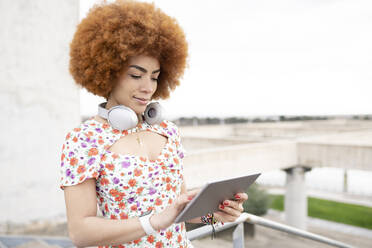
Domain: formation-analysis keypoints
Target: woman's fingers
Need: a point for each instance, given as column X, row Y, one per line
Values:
column 185, row 198
column 192, row 193
column 229, row 210
column 224, row 217
column 241, row 196
column 166, row 217
column 233, row 204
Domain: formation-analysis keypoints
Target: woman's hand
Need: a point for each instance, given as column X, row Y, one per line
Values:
column 230, row 210
column 166, row 218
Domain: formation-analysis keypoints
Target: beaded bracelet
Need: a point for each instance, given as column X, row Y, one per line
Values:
column 209, row 219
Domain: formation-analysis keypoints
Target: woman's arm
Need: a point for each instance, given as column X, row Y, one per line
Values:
column 85, row 228
column 195, row 220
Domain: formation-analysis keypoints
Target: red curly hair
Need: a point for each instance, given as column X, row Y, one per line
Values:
column 111, row 33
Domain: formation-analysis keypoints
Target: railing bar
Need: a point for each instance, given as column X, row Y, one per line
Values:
column 281, row 227
column 238, row 236
column 206, row 230
column 253, row 219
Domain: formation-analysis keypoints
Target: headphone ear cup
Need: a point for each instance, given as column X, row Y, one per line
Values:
column 154, row 113
column 122, row 118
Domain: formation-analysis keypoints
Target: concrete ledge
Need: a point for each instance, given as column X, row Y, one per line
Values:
column 232, row 161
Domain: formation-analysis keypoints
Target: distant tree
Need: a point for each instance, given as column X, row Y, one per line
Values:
column 212, row 120
column 258, row 200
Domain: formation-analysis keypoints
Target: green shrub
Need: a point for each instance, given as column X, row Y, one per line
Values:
column 258, row 200
column 277, row 202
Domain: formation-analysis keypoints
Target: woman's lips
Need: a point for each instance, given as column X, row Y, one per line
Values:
column 140, row 100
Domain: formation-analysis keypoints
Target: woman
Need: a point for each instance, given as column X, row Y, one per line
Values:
column 130, row 53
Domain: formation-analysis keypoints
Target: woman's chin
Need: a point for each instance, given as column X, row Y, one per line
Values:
column 139, row 110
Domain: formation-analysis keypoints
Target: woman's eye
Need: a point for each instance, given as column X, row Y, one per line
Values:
column 136, row 77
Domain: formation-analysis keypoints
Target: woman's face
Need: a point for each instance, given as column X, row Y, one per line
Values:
column 138, row 82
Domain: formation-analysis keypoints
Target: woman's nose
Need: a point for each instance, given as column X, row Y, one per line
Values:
column 147, row 85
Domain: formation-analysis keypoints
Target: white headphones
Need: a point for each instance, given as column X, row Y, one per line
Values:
column 121, row 117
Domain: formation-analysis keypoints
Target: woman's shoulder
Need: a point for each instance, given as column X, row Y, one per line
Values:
column 173, row 132
column 83, row 139
column 169, row 127
column 81, row 154
column 168, row 124
column 88, row 128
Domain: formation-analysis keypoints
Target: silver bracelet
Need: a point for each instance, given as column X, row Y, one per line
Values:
column 145, row 223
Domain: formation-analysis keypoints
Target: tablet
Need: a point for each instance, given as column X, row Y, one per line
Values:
column 212, row 194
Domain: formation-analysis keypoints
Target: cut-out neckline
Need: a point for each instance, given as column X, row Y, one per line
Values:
column 144, row 126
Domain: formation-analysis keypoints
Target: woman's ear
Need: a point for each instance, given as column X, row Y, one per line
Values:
column 108, row 97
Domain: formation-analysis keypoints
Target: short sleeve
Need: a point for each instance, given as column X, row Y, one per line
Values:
column 80, row 158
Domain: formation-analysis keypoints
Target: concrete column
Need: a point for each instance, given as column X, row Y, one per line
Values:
column 295, row 200
column 345, row 186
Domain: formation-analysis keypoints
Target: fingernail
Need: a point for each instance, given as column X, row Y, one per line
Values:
column 189, row 198
column 237, row 196
column 225, row 203
column 222, row 206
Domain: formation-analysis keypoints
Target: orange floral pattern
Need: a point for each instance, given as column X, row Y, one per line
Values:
column 127, row 185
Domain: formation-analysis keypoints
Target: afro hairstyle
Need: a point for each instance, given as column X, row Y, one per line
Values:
column 111, row 33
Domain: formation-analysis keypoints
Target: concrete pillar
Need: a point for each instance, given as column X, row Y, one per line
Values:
column 345, row 186
column 295, row 200
column 39, row 102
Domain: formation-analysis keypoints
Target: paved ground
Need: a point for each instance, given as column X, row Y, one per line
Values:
column 32, row 241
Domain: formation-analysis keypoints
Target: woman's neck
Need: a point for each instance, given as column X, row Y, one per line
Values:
column 139, row 117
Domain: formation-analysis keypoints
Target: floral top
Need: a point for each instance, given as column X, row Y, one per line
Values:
column 127, row 185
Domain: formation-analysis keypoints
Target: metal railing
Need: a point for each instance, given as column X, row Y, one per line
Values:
column 238, row 233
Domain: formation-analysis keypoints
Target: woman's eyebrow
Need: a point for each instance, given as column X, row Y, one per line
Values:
column 143, row 69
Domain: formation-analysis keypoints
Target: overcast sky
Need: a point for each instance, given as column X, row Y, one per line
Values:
column 269, row 57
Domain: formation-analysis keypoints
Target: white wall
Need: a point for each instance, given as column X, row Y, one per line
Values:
column 39, row 103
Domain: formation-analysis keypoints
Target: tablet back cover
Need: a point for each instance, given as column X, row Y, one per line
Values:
column 214, row 193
